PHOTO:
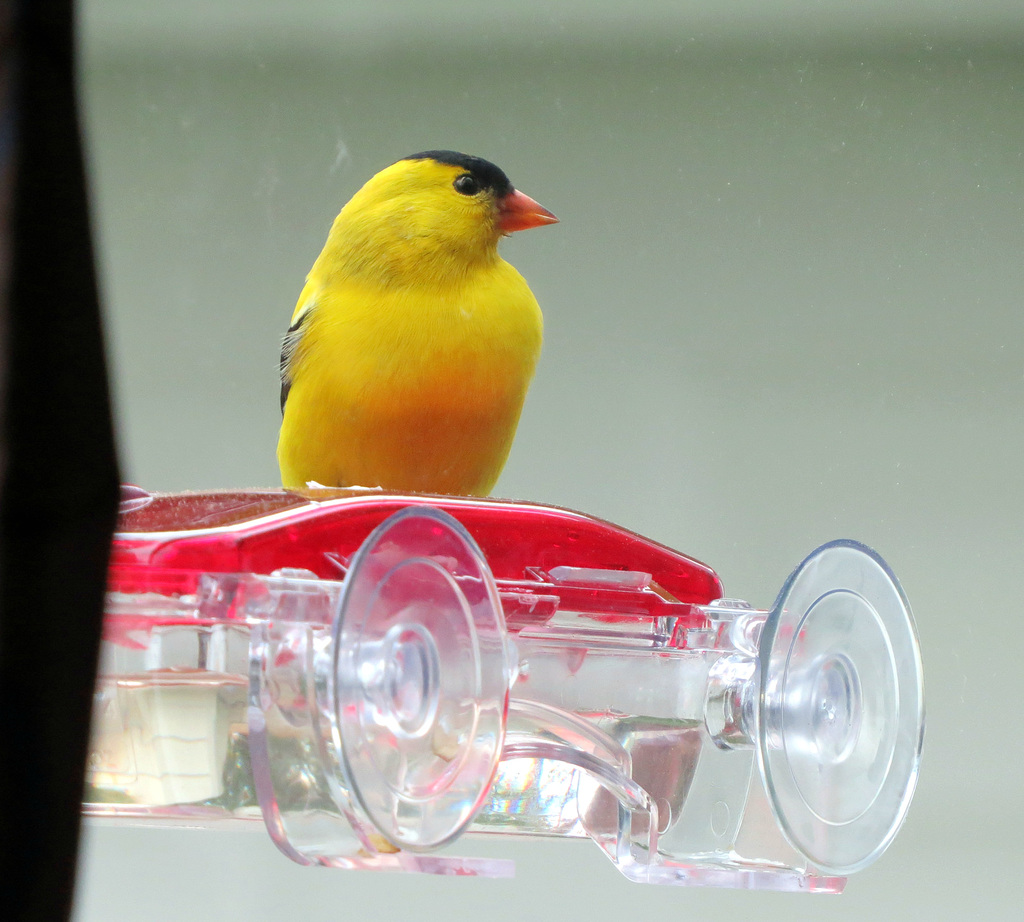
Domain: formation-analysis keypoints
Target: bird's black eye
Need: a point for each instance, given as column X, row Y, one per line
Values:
column 466, row 185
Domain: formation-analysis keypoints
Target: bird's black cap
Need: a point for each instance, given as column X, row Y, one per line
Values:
column 483, row 171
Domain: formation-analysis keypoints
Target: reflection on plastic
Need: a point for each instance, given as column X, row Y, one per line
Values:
column 500, row 668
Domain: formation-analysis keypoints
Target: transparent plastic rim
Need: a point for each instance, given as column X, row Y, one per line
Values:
column 421, row 679
column 841, row 712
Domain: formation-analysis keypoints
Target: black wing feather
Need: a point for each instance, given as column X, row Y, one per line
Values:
column 290, row 342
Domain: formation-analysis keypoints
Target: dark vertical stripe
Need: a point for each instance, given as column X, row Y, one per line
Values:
column 58, row 493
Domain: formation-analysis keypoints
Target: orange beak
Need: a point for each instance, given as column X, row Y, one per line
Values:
column 517, row 212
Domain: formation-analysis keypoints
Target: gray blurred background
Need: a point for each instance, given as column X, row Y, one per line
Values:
column 785, row 304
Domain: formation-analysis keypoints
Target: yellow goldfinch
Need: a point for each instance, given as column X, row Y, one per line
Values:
column 413, row 342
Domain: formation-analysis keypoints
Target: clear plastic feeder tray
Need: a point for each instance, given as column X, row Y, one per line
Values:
column 378, row 679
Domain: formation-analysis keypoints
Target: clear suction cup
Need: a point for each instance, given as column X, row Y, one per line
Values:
column 422, row 678
column 841, row 716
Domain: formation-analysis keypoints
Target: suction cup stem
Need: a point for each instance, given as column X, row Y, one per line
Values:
column 841, row 716
column 422, row 678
